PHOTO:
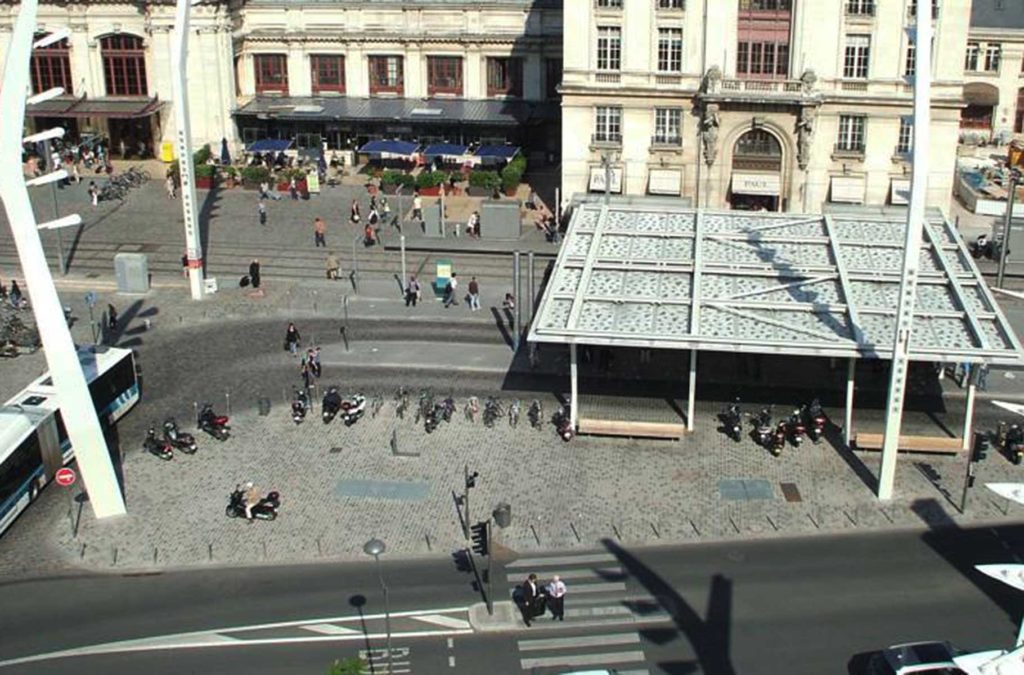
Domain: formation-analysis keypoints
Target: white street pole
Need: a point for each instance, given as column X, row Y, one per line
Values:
column 179, row 89
column 912, row 249
column 77, row 409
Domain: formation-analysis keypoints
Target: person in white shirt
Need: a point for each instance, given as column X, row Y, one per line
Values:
column 556, row 598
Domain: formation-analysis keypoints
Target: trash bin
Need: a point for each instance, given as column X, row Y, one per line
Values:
column 132, row 272
column 502, row 515
column 167, row 152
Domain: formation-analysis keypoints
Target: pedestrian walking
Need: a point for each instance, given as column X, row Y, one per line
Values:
column 293, row 188
column 75, row 175
column 556, row 598
column 254, row 273
column 94, row 193
column 373, row 202
column 354, row 214
column 111, row 317
column 261, row 210
column 385, row 208
column 291, row 339
column 530, row 600
column 332, row 266
column 509, row 306
column 319, row 232
column 317, row 370
column 450, row 291
column 417, row 207
column 474, row 294
column 473, row 226
column 172, row 190
column 412, row 292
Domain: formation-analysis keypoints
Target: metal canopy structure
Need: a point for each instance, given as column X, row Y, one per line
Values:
column 768, row 283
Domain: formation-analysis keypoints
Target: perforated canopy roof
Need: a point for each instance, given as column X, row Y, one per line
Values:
column 819, row 285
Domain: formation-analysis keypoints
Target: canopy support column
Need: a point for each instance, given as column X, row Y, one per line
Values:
column 692, row 392
column 969, row 408
column 574, row 406
column 851, row 369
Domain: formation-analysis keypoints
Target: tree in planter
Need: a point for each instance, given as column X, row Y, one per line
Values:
column 510, row 178
column 254, row 175
column 205, row 174
column 486, row 181
column 202, row 155
column 391, row 179
column 428, row 182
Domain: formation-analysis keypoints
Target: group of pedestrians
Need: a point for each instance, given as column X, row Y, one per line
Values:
column 534, row 600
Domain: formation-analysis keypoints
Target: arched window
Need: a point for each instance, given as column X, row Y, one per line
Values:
column 757, row 150
column 51, row 66
column 124, row 65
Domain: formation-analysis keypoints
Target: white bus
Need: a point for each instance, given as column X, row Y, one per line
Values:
column 33, row 441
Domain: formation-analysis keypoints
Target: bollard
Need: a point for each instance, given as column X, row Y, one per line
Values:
column 227, row 402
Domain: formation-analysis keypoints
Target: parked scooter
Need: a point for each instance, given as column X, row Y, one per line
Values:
column 182, row 440
column 265, row 509
column 763, row 428
column 778, row 439
column 563, row 424
column 331, row 404
column 731, row 419
column 300, row 406
column 795, row 427
column 816, row 421
column 352, row 408
column 156, row 446
column 1010, row 441
column 447, row 408
column 214, row 424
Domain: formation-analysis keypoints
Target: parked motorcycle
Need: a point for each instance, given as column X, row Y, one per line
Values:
column 432, row 417
column 352, row 408
column 300, row 406
column 182, row 440
column 763, row 428
column 1010, row 441
column 331, row 404
column 731, row 421
column 563, row 424
column 816, row 421
column 156, row 446
column 535, row 414
column 214, row 424
column 492, row 411
column 778, row 439
column 795, row 427
column 265, row 509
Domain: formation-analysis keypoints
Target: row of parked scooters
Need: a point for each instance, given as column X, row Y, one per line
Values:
column 173, row 438
column 807, row 421
column 350, row 408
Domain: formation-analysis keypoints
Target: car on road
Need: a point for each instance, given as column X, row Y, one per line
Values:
column 928, row 658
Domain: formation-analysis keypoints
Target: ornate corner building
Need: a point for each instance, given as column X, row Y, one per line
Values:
column 780, row 105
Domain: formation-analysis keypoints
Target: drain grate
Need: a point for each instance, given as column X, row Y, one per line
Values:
column 740, row 489
column 384, row 489
column 790, row 492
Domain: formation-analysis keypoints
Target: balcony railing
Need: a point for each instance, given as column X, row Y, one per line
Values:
column 606, row 138
column 762, row 86
column 611, row 78
column 666, row 141
column 848, row 150
column 847, row 85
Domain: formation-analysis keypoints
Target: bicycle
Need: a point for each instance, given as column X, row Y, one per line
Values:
column 513, row 414
column 472, row 408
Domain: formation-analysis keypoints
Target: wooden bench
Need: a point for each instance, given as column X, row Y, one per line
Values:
column 633, row 429
column 936, row 444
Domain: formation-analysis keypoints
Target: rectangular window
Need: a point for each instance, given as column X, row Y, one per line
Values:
column 609, row 48
column 906, row 138
column 608, row 128
column 552, row 77
column 670, row 50
column 504, row 76
column 327, row 72
column 743, row 58
column 51, row 67
column 763, row 29
column 935, row 8
column 667, row 126
column 860, row 7
column 609, row 4
column 444, row 75
column 993, row 55
column 765, row 5
column 851, row 133
column 910, row 65
column 387, row 74
column 971, row 56
column 271, row 72
column 858, row 53
column 671, row 4
column 782, row 60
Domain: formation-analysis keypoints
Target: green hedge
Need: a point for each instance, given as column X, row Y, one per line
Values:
column 205, row 171
column 391, row 177
column 484, row 179
column 202, row 155
column 431, row 179
column 256, row 174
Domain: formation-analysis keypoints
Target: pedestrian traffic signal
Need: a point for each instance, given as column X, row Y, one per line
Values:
column 980, row 450
column 480, row 536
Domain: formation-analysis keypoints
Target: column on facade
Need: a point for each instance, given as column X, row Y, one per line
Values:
column 357, row 78
column 300, row 82
column 475, row 85
column 533, row 76
column 415, row 72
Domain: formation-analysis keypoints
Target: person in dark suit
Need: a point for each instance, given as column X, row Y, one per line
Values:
column 531, row 594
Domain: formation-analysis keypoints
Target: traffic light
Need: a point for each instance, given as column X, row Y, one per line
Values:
column 479, row 535
column 980, row 450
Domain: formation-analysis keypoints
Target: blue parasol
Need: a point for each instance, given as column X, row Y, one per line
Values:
column 225, row 156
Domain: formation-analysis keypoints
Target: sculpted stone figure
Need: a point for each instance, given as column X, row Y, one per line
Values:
column 808, row 80
column 709, row 133
column 804, row 132
column 712, row 79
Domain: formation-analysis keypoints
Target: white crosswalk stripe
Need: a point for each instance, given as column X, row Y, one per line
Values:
column 598, row 600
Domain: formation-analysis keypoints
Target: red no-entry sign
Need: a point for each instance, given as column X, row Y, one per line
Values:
column 65, row 477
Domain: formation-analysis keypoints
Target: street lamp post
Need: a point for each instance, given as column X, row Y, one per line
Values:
column 376, row 548
column 1004, row 245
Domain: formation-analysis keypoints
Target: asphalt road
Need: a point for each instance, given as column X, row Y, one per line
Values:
column 795, row 606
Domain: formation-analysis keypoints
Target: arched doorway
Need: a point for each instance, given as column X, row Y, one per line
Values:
column 756, row 172
column 982, row 99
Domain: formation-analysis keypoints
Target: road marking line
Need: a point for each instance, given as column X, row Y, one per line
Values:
column 582, row 659
column 598, row 588
column 580, row 559
column 451, row 661
column 580, row 641
column 451, row 643
column 439, row 620
column 330, row 629
column 612, row 610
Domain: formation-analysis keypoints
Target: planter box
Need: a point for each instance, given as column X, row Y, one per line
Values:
column 512, row 192
column 204, row 183
column 475, row 191
column 432, row 191
column 230, row 183
column 283, row 187
column 249, row 185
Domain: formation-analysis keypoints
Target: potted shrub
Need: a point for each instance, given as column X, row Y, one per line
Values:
column 483, row 183
column 230, row 176
column 202, row 155
column 252, row 176
column 205, row 174
column 429, row 182
column 391, row 180
column 510, row 177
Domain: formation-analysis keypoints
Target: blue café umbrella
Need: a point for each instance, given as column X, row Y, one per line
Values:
column 225, row 156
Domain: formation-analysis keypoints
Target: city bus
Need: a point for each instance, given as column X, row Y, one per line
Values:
column 33, row 441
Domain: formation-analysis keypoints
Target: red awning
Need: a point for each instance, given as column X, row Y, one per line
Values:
column 104, row 106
